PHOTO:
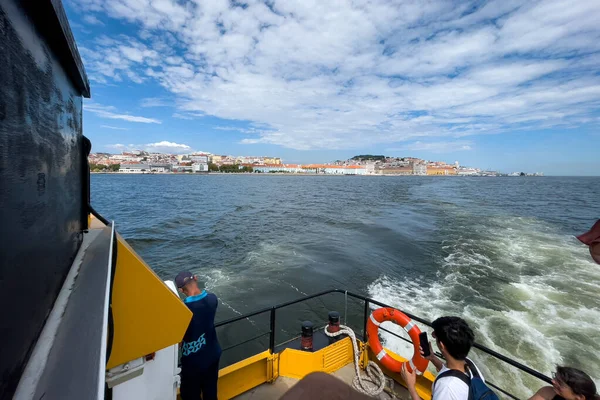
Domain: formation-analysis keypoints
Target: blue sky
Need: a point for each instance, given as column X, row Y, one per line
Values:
column 506, row 85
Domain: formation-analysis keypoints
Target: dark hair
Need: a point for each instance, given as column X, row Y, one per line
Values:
column 579, row 382
column 456, row 335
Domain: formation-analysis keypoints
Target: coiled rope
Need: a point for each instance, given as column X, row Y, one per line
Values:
column 374, row 382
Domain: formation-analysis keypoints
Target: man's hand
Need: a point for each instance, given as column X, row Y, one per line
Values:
column 411, row 379
column 432, row 357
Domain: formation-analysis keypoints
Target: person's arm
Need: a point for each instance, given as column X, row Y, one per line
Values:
column 413, row 393
column 433, row 358
column 545, row 393
column 436, row 362
column 411, row 381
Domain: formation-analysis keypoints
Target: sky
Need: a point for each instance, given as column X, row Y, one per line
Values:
column 502, row 85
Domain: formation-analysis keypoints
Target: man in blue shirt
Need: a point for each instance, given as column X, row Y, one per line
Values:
column 201, row 350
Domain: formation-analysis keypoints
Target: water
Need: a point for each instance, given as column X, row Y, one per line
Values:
column 499, row 252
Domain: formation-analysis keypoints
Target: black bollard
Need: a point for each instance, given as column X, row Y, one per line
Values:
column 334, row 326
column 306, row 341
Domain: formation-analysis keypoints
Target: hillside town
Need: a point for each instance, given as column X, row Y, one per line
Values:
column 142, row 162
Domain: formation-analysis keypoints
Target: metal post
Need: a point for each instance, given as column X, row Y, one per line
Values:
column 365, row 319
column 272, row 335
column 346, row 308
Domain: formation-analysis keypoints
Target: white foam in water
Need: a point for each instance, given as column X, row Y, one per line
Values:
column 213, row 278
column 528, row 292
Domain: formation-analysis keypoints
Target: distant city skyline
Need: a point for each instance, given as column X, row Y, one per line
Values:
column 507, row 86
column 374, row 164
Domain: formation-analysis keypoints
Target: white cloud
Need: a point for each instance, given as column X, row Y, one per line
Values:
column 167, row 147
column 92, row 20
column 347, row 74
column 117, row 128
column 119, row 146
column 156, row 102
column 158, row 147
column 436, row 147
column 109, row 112
column 188, row 115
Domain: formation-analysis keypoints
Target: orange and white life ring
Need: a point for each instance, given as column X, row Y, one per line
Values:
column 417, row 363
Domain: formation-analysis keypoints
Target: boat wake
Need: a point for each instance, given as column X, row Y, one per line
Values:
column 528, row 291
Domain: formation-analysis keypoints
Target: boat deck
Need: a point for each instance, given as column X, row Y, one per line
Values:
column 281, row 385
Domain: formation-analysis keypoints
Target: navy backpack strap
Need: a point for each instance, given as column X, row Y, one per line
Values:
column 459, row 375
column 456, row 374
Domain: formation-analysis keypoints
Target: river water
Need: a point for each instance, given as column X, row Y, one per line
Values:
column 500, row 252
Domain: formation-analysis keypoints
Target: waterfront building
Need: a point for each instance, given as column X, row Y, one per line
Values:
column 200, row 167
column 134, row 168
column 441, row 170
column 468, row 171
column 370, row 168
column 332, row 169
column 161, row 168
column 355, row 170
column 419, row 168
column 397, row 170
column 183, row 168
column 269, row 168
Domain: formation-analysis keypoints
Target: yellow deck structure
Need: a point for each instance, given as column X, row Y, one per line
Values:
column 268, row 376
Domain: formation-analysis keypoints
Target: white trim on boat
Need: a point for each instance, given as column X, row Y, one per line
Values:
column 104, row 342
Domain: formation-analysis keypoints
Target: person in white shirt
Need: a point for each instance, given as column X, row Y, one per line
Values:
column 454, row 339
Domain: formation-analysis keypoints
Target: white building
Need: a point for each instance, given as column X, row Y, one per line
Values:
column 345, row 170
column 200, row 168
column 290, row 168
column 334, row 170
column 356, row 170
column 183, row 168
column 135, row 168
column 468, row 171
column 160, row 168
column 419, row 169
column 199, row 158
column 123, row 157
column 293, row 168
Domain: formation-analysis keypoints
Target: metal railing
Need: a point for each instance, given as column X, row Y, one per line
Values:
column 366, row 312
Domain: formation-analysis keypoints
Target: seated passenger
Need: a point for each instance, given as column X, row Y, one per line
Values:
column 568, row 384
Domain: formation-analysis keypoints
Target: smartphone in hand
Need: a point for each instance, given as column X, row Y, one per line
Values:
column 424, row 342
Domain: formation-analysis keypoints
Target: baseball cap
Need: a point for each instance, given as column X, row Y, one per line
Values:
column 183, row 278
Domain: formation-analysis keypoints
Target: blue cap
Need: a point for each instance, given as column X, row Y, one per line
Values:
column 183, row 278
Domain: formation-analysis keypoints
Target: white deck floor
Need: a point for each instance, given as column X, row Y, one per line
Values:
column 276, row 389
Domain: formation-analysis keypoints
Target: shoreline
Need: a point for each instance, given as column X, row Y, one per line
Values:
column 303, row 174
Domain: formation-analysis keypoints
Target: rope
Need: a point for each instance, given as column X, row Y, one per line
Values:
column 374, row 383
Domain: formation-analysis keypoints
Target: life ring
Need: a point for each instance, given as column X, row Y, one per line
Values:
column 417, row 363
